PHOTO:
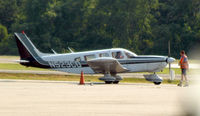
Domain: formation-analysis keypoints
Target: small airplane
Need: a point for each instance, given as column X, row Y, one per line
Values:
column 108, row 61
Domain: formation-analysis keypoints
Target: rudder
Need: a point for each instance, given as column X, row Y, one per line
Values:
column 28, row 52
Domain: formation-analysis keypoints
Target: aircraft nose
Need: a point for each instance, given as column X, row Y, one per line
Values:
column 170, row 60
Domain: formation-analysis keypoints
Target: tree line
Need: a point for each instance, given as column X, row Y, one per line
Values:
column 142, row 26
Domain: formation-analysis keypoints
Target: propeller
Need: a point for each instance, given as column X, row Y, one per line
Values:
column 170, row 60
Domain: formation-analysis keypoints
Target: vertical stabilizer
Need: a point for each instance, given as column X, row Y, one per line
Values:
column 29, row 52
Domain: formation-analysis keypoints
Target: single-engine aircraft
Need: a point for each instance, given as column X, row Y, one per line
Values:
column 108, row 61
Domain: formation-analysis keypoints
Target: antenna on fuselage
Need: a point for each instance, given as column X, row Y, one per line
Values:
column 70, row 50
column 54, row 51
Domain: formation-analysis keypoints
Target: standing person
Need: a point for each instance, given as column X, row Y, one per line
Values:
column 183, row 63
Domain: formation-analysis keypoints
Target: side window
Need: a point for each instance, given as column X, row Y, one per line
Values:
column 89, row 57
column 78, row 59
column 103, row 55
column 117, row 55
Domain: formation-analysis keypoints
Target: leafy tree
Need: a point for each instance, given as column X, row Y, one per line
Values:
column 142, row 26
column 8, row 12
column 3, row 33
column 3, row 39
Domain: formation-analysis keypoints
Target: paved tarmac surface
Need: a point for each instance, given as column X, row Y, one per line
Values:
column 60, row 98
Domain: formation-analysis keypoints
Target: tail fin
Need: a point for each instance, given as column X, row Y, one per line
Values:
column 28, row 52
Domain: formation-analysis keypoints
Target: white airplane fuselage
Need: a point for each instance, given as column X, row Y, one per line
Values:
column 67, row 62
column 108, row 61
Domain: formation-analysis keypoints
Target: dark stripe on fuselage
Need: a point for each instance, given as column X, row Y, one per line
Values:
column 140, row 61
column 123, row 62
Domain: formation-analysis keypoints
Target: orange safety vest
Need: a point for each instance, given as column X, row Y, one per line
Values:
column 184, row 62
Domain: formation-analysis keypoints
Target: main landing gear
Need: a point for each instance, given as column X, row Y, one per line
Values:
column 110, row 82
column 157, row 83
column 157, row 80
column 111, row 78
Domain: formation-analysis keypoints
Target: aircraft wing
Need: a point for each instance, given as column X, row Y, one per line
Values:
column 106, row 64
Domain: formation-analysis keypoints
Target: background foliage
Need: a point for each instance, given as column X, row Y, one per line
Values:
column 142, row 26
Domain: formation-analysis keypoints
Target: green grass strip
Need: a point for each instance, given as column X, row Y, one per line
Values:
column 71, row 78
column 10, row 66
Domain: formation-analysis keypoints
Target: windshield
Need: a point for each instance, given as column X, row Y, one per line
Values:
column 129, row 54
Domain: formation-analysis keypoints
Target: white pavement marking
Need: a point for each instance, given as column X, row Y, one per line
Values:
column 61, row 98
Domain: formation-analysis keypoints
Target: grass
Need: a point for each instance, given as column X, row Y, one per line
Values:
column 46, row 77
column 10, row 57
column 10, row 66
column 166, row 71
column 71, row 78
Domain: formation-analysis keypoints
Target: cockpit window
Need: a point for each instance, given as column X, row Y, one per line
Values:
column 117, row 55
column 129, row 54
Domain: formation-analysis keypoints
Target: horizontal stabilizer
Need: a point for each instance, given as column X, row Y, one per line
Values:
column 22, row 61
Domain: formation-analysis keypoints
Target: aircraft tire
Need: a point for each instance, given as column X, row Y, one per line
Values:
column 108, row 82
column 157, row 83
column 115, row 82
